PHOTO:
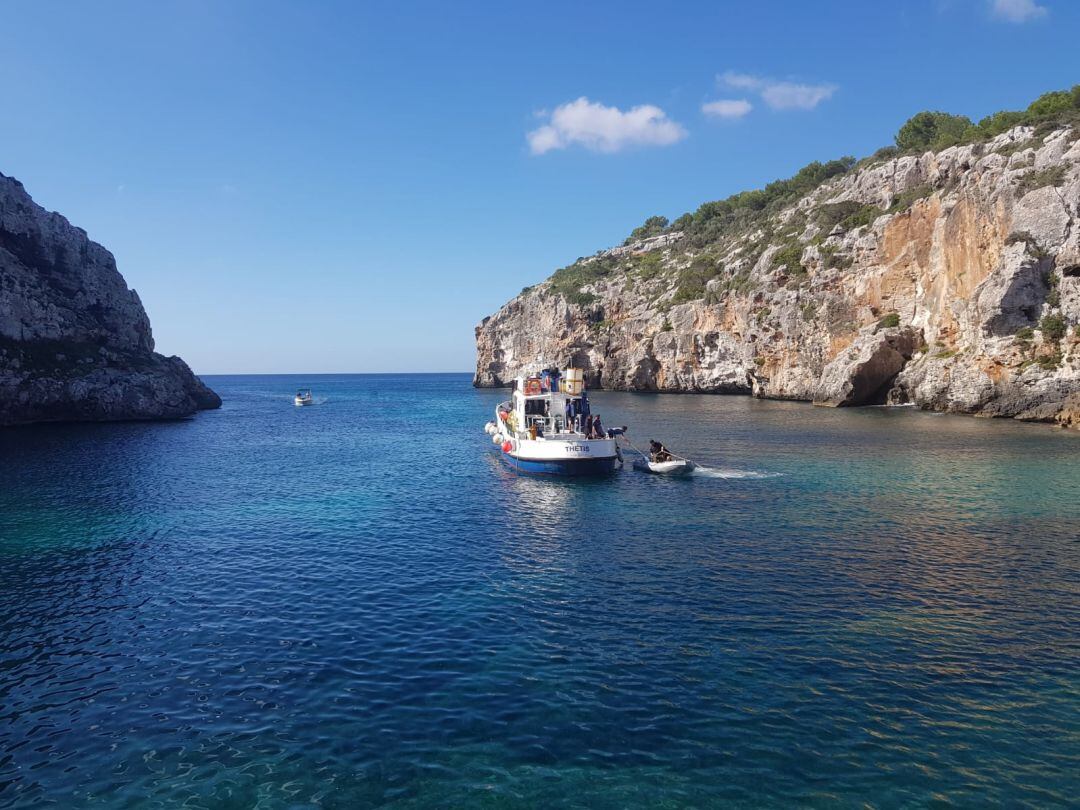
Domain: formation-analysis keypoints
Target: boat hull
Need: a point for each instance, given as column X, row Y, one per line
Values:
column 677, row 467
column 568, row 466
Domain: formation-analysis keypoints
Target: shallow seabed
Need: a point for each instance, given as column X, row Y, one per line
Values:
column 358, row 604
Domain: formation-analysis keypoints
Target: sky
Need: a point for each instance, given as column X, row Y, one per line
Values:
column 326, row 186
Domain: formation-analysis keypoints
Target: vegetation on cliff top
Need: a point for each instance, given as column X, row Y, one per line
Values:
column 750, row 214
column 933, row 131
column 740, row 212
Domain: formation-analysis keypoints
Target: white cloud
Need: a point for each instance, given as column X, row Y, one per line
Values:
column 727, row 108
column 1017, row 11
column 604, row 129
column 780, row 95
column 790, row 96
column 743, row 81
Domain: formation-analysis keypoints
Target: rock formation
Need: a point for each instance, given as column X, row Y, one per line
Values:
column 950, row 280
column 75, row 342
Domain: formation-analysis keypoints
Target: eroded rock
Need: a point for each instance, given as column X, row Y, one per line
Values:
column 75, row 342
column 972, row 259
column 863, row 373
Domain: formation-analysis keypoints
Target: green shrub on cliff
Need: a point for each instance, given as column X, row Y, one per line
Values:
column 932, row 131
column 1055, row 103
column 653, row 226
column 1040, row 178
column 905, row 200
column 569, row 281
column 1053, row 327
column 741, row 212
column 1050, row 362
column 889, row 321
column 649, row 266
column 1000, row 122
column 790, row 258
column 693, row 278
column 1032, row 243
column 846, row 215
column 938, row 130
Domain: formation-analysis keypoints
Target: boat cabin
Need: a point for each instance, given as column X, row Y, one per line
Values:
column 553, row 402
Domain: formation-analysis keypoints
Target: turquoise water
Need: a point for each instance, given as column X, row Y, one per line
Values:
column 356, row 604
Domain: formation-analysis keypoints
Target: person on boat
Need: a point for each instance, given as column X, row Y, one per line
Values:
column 597, row 428
column 569, row 414
column 658, row 453
column 588, row 427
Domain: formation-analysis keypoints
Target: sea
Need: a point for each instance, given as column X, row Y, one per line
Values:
column 359, row 604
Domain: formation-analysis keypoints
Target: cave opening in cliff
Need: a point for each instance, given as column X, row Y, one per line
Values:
column 881, row 395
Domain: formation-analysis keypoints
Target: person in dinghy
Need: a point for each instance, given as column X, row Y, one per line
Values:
column 661, row 461
column 658, row 453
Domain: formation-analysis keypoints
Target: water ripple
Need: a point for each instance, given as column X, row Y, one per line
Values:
column 270, row 606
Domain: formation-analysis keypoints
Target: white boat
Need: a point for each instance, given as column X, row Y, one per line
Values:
column 541, row 429
column 678, row 466
column 303, row 397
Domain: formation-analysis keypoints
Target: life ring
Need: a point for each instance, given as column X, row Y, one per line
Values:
column 532, row 387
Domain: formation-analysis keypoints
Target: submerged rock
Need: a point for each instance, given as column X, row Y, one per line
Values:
column 75, row 342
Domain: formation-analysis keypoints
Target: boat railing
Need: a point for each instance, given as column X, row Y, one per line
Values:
column 554, row 427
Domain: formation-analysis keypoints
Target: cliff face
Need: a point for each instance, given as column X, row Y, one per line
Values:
column 75, row 342
column 950, row 280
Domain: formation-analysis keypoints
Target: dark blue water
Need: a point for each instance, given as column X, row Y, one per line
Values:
column 356, row 604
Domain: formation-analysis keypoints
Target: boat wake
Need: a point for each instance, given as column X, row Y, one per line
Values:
column 726, row 472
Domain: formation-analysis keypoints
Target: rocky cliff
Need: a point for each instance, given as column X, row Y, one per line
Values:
column 948, row 279
column 75, row 342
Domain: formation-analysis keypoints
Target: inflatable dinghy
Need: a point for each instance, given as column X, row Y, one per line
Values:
column 679, row 466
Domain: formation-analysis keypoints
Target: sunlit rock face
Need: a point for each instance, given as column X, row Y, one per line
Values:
column 936, row 293
column 75, row 342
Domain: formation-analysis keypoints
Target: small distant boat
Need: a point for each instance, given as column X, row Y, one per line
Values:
column 303, row 397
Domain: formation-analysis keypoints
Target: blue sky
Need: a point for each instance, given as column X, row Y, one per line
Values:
column 338, row 186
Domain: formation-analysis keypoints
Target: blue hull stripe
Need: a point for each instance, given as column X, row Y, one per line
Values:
column 576, row 466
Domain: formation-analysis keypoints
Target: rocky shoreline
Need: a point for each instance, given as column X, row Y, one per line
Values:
column 75, row 342
column 949, row 280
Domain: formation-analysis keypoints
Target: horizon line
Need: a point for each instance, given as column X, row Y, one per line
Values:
column 316, row 373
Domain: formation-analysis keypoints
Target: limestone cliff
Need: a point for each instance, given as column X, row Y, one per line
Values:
column 75, row 342
column 949, row 279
